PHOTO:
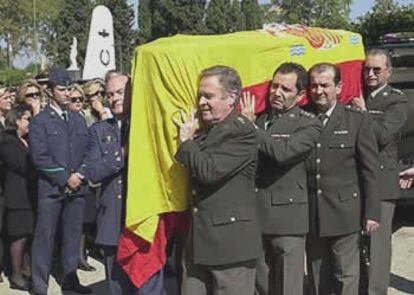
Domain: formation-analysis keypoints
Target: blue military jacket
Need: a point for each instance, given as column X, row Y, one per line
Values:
column 104, row 163
column 57, row 149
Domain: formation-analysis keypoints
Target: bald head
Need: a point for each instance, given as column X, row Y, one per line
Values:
column 116, row 90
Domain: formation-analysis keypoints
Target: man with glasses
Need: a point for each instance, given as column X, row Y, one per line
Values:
column 58, row 141
column 388, row 108
column 5, row 106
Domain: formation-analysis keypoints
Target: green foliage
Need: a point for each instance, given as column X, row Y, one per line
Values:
column 169, row 17
column 125, row 36
column 216, row 16
column 333, row 14
column 385, row 18
column 236, row 20
column 144, row 21
column 253, row 14
column 72, row 22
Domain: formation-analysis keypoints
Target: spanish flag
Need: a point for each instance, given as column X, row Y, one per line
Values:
column 165, row 80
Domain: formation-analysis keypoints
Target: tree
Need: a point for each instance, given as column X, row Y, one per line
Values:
column 253, row 14
column 170, row 17
column 332, row 14
column 125, row 35
column 381, row 21
column 72, row 22
column 216, row 16
column 144, row 21
column 236, row 20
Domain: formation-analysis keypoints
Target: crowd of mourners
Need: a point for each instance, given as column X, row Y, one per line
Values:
column 267, row 188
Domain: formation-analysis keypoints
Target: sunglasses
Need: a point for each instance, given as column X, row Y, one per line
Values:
column 76, row 99
column 376, row 70
column 32, row 95
column 97, row 93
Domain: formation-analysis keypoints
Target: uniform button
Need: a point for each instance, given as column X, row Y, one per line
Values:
column 233, row 219
column 195, row 210
column 342, row 145
column 290, row 200
column 119, row 196
column 193, row 192
column 318, row 176
column 105, row 152
column 318, row 161
column 318, row 145
column 382, row 167
column 116, row 153
column 355, row 195
column 118, row 159
column 119, row 181
column 319, row 192
column 256, row 189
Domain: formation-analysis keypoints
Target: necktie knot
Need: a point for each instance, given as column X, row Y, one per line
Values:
column 323, row 118
column 65, row 116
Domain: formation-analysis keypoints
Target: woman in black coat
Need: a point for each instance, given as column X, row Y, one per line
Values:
column 19, row 189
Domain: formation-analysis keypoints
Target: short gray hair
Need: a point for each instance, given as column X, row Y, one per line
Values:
column 377, row 51
column 228, row 78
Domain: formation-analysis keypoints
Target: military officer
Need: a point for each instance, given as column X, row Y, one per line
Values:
column 58, row 140
column 387, row 107
column 287, row 134
column 342, row 182
column 221, row 160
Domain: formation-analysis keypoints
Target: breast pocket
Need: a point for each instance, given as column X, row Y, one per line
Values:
column 232, row 216
column 341, row 142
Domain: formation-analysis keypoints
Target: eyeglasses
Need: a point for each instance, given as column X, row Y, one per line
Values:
column 75, row 99
column 97, row 93
column 32, row 95
column 376, row 70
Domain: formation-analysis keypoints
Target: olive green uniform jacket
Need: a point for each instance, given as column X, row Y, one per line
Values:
column 222, row 164
column 388, row 109
column 282, row 195
column 342, row 174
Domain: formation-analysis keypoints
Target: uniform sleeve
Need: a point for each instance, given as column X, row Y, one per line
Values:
column 99, row 164
column 41, row 155
column 368, row 157
column 293, row 149
column 235, row 150
column 393, row 120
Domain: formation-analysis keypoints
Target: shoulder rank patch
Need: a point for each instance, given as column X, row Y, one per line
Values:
column 341, row 132
column 375, row 112
column 353, row 108
column 307, row 114
column 241, row 120
column 397, row 91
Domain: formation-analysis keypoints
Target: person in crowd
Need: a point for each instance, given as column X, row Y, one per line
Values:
column 76, row 104
column 225, row 238
column 342, row 187
column 387, row 107
column 58, row 140
column 95, row 97
column 5, row 106
column 105, row 163
column 286, row 136
column 31, row 93
column 19, row 192
column 13, row 94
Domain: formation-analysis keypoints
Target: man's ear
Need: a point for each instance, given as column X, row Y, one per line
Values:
column 232, row 98
column 301, row 95
column 338, row 88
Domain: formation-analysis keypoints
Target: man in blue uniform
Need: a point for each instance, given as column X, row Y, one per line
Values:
column 105, row 163
column 58, row 139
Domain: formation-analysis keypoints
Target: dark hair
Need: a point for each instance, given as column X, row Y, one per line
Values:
column 325, row 66
column 299, row 70
column 377, row 51
column 15, row 114
column 228, row 77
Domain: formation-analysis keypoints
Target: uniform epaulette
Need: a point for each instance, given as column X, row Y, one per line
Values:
column 353, row 108
column 306, row 114
column 242, row 119
column 397, row 91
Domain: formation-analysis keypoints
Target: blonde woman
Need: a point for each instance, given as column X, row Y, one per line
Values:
column 76, row 99
column 32, row 94
column 96, row 98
